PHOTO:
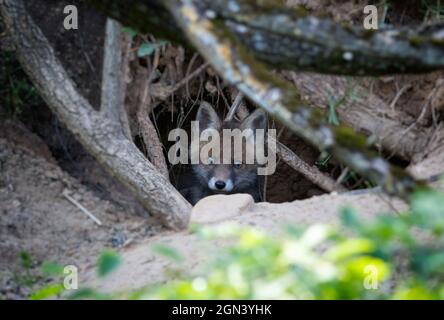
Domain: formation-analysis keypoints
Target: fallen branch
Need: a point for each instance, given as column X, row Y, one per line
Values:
column 65, row 193
column 234, row 109
column 312, row 173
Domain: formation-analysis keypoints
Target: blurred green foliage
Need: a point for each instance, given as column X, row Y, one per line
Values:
column 146, row 47
column 393, row 256
column 108, row 261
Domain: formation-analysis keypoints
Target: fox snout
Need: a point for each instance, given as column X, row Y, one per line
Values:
column 217, row 184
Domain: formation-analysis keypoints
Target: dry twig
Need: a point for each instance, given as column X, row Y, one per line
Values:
column 65, row 193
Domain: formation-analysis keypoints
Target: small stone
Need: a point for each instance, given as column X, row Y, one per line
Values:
column 118, row 239
column 51, row 175
column 16, row 203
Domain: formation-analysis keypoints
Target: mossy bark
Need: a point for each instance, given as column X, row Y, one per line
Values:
column 289, row 38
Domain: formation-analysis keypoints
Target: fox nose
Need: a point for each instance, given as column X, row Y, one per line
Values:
column 220, row 184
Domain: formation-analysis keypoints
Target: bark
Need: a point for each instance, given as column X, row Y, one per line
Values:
column 125, row 70
column 233, row 61
column 111, row 100
column 113, row 83
column 153, row 145
column 102, row 136
column 289, row 38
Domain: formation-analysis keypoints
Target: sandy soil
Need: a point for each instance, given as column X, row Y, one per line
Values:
column 143, row 267
column 36, row 218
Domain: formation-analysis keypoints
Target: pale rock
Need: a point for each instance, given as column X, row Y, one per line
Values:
column 219, row 208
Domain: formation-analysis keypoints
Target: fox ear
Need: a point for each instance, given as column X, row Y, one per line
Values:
column 256, row 120
column 207, row 117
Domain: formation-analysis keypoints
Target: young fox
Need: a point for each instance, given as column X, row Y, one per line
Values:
column 212, row 176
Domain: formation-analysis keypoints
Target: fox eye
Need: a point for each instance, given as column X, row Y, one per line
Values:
column 237, row 164
column 210, row 160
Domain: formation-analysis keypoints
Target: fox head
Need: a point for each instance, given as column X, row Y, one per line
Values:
column 213, row 171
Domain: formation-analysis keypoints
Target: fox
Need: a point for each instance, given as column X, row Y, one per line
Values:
column 210, row 175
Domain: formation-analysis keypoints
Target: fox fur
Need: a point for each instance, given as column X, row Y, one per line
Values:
column 210, row 176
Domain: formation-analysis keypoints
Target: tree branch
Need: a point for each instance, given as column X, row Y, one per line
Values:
column 290, row 39
column 113, row 84
column 154, row 148
column 111, row 77
column 102, row 137
column 312, row 173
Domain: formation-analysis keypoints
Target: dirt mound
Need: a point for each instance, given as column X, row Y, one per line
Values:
column 36, row 218
column 142, row 266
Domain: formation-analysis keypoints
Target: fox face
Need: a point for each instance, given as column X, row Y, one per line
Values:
column 214, row 173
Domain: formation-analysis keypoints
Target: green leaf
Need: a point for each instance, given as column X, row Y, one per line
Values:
column 349, row 218
column 294, row 231
column 49, row 291
column 350, row 248
column 428, row 208
column 323, row 160
column 130, row 31
column 363, row 266
column 416, row 293
column 52, row 269
column 147, row 48
column 87, row 293
column 332, row 116
column 108, row 261
column 428, row 202
column 168, row 252
column 25, row 260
